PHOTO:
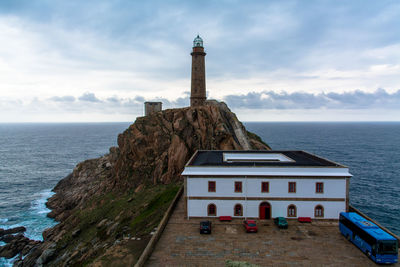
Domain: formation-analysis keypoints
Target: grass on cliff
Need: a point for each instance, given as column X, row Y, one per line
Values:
column 152, row 213
column 127, row 214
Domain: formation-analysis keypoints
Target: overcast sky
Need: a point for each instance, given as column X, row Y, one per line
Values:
column 268, row 60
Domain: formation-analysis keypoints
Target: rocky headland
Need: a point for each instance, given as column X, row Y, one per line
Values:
column 108, row 207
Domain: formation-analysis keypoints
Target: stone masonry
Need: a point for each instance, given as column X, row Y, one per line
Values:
column 198, row 86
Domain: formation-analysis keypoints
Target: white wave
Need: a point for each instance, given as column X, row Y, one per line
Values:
column 39, row 205
column 35, row 220
column 7, row 262
column 3, row 220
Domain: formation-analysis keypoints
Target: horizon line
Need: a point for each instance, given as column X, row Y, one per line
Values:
column 83, row 122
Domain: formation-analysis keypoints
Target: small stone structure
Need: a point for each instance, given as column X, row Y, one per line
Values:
column 151, row 107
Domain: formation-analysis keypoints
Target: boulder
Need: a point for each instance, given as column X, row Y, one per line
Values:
column 46, row 256
column 7, row 238
column 15, row 245
column 112, row 228
column 76, row 232
column 102, row 223
column 19, row 229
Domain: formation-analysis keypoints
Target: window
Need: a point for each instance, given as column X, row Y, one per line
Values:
column 291, row 211
column 212, row 210
column 319, row 187
column 211, row 186
column 319, row 211
column 238, row 210
column 292, row 187
column 238, row 187
column 264, row 187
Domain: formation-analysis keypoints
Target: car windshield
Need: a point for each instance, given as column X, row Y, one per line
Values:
column 387, row 247
column 252, row 224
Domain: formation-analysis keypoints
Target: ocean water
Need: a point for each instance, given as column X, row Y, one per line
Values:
column 34, row 157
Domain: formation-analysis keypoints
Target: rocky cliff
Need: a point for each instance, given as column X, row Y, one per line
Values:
column 108, row 207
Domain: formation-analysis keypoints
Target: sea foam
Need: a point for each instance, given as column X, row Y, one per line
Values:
column 35, row 219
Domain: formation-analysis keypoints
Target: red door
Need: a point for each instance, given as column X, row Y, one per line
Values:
column 262, row 212
column 265, row 211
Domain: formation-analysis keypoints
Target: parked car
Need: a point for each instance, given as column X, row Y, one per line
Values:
column 281, row 222
column 205, row 227
column 251, row 226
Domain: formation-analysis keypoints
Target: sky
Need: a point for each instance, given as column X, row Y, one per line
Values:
column 95, row 61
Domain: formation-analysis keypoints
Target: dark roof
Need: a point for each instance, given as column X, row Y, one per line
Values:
column 300, row 158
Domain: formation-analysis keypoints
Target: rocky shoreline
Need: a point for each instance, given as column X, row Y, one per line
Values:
column 108, row 207
column 16, row 243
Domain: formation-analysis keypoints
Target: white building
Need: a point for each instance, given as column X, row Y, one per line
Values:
column 264, row 185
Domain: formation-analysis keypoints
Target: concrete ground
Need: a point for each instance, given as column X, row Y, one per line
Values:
column 317, row 244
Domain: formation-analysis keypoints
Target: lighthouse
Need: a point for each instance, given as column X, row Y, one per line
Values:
column 198, row 87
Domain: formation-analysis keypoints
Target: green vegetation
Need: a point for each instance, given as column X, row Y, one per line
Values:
column 62, row 243
column 151, row 214
column 112, row 216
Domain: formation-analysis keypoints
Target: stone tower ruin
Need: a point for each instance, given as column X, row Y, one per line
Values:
column 152, row 107
column 198, row 87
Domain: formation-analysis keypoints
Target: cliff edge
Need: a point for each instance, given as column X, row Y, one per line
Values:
column 107, row 207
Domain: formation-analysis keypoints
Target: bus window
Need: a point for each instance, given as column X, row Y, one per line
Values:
column 387, row 247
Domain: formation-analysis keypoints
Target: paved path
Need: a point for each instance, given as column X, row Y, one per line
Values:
column 315, row 244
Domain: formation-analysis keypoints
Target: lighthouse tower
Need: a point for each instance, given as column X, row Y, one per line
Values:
column 198, row 88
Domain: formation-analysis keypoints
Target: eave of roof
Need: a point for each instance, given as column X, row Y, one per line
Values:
column 266, row 171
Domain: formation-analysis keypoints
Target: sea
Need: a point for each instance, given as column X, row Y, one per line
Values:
column 35, row 156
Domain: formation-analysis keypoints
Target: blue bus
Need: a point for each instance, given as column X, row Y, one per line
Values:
column 379, row 245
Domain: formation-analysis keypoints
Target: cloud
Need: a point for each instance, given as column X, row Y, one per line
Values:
column 89, row 102
column 265, row 100
column 139, row 99
column 90, row 97
column 67, row 98
column 302, row 100
column 277, row 54
column 254, row 106
column 153, row 37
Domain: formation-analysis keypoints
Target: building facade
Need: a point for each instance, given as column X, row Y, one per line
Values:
column 198, row 84
column 264, row 185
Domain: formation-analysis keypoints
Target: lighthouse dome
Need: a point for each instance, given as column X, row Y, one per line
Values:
column 198, row 42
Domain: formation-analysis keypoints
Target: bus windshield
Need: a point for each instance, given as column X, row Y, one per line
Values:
column 387, row 247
